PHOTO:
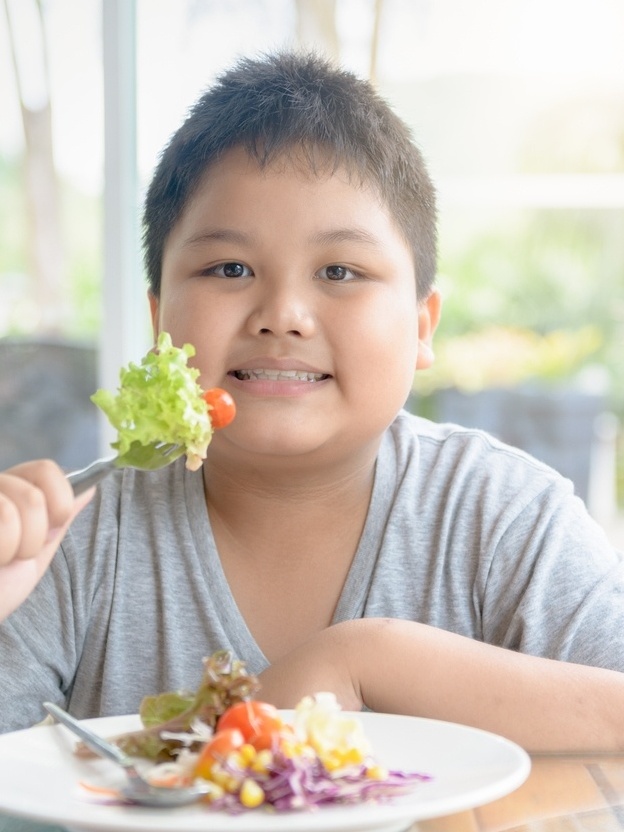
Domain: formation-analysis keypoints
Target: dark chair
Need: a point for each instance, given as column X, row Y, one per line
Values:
column 45, row 409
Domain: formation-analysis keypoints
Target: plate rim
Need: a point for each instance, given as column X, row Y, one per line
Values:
column 384, row 816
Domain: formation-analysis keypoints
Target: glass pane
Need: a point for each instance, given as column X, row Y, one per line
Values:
column 518, row 106
column 50, row 168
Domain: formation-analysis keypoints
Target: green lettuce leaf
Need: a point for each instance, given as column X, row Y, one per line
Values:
column 164, row 706
column 225, row 681
column 158, row 400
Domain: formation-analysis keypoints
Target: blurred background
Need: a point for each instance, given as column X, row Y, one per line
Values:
column 518, row 107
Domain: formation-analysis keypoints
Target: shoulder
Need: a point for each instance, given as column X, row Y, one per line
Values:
column 446, row 446
column 446, row 467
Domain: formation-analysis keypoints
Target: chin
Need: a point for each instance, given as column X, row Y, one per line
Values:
column 285, row 447
column 283, row 434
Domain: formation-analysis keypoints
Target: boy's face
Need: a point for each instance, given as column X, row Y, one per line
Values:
column 299, row 295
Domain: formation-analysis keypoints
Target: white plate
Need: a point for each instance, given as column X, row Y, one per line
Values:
column 39, row 780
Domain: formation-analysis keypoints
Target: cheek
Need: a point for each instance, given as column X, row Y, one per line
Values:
column 191, row 321
column 388, row 333
column 383, row 363
column 179, row 300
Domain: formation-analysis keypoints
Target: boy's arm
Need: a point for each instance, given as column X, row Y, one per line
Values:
column 36, row 507
column 405, row 667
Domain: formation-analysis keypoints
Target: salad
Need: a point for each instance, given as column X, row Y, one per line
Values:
column 250, row 755
column 160, row 401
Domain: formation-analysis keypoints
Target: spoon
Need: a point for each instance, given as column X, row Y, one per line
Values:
column 138, row 789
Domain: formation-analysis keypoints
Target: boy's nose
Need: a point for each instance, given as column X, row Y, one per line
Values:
column 282, row 313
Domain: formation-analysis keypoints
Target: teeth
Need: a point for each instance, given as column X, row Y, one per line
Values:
column 277, row 375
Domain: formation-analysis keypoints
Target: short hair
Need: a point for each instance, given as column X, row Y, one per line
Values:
column 290, row 103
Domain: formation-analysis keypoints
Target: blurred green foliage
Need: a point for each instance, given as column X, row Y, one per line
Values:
column 503, row 357
column 531, row 297
column 12, row 208
column 81, row 222
column 556, row 273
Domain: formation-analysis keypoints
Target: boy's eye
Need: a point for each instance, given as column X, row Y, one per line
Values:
column 232, row 269
column 337, row 273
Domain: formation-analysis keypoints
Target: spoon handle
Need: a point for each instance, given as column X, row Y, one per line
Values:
column 95, row 742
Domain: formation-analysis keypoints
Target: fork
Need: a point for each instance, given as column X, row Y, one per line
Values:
column 160, row 454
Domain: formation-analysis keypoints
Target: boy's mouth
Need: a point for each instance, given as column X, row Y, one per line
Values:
column 278, row 375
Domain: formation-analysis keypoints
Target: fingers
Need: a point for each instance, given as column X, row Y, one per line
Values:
column 36, row 507
column 36, row 503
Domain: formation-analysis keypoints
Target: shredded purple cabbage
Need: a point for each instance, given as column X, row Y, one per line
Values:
column 300, row 783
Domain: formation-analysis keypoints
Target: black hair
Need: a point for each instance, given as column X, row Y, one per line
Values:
column 290, row 103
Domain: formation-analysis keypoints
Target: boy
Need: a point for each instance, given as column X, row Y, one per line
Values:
column 332, row 541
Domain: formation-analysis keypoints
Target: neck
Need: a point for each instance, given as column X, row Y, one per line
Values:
column 267, row 508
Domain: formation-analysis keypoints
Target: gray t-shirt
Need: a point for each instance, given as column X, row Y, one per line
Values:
column 462, row 533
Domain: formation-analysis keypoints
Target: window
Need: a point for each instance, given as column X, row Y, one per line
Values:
column 518, row 106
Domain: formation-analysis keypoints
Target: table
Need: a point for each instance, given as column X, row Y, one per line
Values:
column 564, row 793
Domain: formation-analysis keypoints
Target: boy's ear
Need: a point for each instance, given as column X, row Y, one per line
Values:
column 428, row 319
column 154, row 309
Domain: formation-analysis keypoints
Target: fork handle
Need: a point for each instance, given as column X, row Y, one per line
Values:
column 82, row 480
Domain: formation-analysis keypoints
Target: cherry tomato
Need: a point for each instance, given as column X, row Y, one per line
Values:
column 264, row 738
column 218, row 749
column 221, row 407
column 258, row 722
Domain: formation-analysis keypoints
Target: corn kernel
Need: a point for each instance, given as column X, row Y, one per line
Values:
column 218, row 775
column 262, row 761
column 291, row 748
column 237, row 760
column 377, row 773
column 205, row 771
column 332, row 762
column 215, row 792
column 232, row 784
column 248, row 753
column 251, row 794
column 288, row 749
column 226, row 780
column 243, row 757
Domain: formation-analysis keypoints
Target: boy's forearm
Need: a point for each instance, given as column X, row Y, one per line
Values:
column 404, row 667
column 544, row 705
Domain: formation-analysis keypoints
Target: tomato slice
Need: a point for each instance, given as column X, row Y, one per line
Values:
column 218, row 749
column 258, row 722
column 221, row 407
